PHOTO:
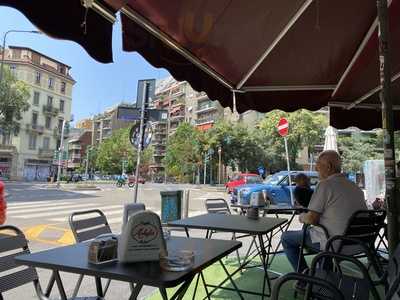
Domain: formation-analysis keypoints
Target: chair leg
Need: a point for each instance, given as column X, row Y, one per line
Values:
column 77, row 286
column 237, row 251
column 107, row 286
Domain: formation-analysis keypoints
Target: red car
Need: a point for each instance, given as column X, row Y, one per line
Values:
column 132, row 181
column 241, row 179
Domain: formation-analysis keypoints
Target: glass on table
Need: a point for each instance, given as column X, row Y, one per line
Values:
column 176, row 260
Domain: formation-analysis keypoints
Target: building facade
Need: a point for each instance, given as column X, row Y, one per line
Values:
column 77, row 147
column 104, row 124
column 85, row 124
column 29, row 153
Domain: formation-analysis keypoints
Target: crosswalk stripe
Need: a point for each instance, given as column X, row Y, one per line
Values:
column 14, row 208
column 119, row 220
column 59, row 207
column 12, row 204
column 64, row 212
column 107, row 213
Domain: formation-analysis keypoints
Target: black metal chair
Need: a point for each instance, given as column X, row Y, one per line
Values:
column 12, row 244
column 85, row 226
column 330, row 291
column 352, row 283
column 363, row 226
column 220, row 206
column 13, row 240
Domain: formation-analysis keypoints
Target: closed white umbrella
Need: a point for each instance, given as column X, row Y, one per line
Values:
column 330, row 139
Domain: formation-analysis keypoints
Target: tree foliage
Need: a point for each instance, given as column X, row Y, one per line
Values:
column 305, row 130
column 358, row 148
column 183, row 155
column 14, row 96
column 112, row 151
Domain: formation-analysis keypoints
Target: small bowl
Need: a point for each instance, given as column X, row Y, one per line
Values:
column 177, row 260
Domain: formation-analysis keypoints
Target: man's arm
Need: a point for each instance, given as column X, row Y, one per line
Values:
column 310, row 217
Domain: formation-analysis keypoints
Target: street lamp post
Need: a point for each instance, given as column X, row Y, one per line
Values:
column 60, row 153
column 4, row 47
column 219, row 164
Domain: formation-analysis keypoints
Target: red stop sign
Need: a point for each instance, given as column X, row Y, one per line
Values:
column 283, row 127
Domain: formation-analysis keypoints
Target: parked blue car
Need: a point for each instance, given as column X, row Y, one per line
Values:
column 275, row 186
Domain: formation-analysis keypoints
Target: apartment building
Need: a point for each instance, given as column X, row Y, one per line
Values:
column 29, row 153
column 104, row 124
column 79, row 141
column 85, row 124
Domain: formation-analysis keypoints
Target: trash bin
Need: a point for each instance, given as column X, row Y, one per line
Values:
column 171, row 206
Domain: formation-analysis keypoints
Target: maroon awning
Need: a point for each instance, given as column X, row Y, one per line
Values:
column 275, row 54
column 285, row 54
column 68, row 19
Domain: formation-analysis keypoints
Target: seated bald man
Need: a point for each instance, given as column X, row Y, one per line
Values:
column 332, row 204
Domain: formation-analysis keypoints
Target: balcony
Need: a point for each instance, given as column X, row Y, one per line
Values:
column 75, row 156
column 205, row 120
column 35, row 128
column 206, row 108
column 158, row 142
column 74, row 146
column 6, row 148
column 46, row 153
column 159, row 153
column 177, row 118
column 50, row 110
column 57, row 133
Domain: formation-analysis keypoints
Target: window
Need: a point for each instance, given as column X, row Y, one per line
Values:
column 36, row 97
column 46, row 143
column 49, row 101
column 38, row 77
column 63, row 86
column 62, row 104
column 13, row 70
column 16, row 54
column 60, row 123
column 32, row 141
column 34, row 118
column 61, row 69
column 51, row 83
column 48, row 122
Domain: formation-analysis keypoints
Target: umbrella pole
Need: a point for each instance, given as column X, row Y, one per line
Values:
column 392, row 198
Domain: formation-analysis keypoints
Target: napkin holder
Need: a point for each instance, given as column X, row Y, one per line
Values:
column 257, row 200
column 142, row 238
column 103, row 249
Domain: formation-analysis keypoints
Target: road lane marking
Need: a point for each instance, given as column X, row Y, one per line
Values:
column 107, row 213
column 49, row 208
column 12, row 204
column 14, row 208
column 69, row 211
column 37, row 233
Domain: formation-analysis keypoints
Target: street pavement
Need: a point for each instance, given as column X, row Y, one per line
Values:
column 42, row 212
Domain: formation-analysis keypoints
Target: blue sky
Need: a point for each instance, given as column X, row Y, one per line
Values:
column 98, row 85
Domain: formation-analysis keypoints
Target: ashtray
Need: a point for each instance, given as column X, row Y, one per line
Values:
column 177, row 260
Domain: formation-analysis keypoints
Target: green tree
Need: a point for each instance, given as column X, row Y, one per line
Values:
column 356, row 149
column 240, row 149
column 305, row 130
column 14, row 96
column 112, row 151
column 184, row 152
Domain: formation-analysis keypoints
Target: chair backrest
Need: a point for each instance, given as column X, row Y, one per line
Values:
column 87, row 225
column 12, row 244
column 364, row 225
column 217, row 206
column 393, row 278
column 130, row 209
